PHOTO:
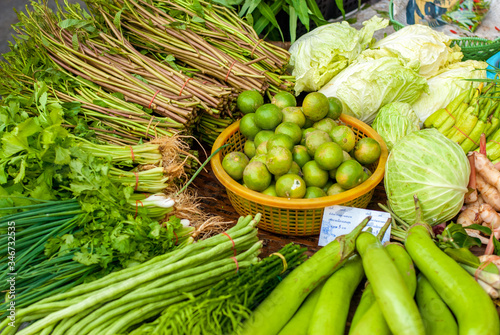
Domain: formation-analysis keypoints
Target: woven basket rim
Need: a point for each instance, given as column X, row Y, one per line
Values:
column 302, row 204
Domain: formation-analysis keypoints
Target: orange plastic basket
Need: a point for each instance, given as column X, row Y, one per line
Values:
column 298, row 217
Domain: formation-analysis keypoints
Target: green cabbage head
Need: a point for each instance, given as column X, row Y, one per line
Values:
column 394, row 121
column 427, row 164
column 373, row 80
column 319, row 55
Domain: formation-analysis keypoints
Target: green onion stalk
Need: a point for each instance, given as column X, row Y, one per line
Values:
column 119, row 301
column 223, row 308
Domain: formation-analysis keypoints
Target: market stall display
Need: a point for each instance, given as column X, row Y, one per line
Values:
column 116, row 219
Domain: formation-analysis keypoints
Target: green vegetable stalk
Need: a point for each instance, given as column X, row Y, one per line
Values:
column 223, row 308
column 286, row 299
column 122, row 299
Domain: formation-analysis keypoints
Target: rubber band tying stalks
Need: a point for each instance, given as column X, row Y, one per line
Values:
column 447, row 111
column 185, row 83
column 234, row 245
column 154, row 96
column 466, row 135
column 137, row 202
column 285, row 264
column 236, row 262
column 136, row 181
column 132, row 153
column 176, row 238
column 228, row 72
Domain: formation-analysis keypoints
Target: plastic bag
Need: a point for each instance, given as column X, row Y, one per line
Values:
column 468, row 14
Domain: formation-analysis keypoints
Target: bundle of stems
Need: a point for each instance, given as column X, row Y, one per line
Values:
column 209, row 127
column 468, row 116
column 122, row 299
column 223, row 308
column 205, row 36
column 41, row 271
column 107, row 115
column 99, row 53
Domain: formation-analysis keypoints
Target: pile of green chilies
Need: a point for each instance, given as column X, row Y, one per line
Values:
column 120, row 300
column 468, row 116
column 32, row 229
column 223, row 308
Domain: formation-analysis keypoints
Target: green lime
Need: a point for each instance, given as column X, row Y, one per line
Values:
column 248, row 127
column 271, row 190
column 315, row 106
column 262, row 148
column 308, row 124
column 325, row 124
column 331, row 172
column 334, row 108
column 314, row 175
column 300, row 155
column 294, row 115
column 305, row 133
column 249, row 148
column 314, row 192
column 284, row 99
column 367, row 151
column 262, row 136
column 279, row 160
column 346, row 156
column 280, row 140
column 268, row 116
column 327, row 185
column 328, row 156
column 343, row 136
column 290, row 129
column 290, row 186
column 335, row 189
column 315, row 139
column 349, row 174
column 234, row 163
column 295, row 168
column 249, row 101
column 256, row 176
column 259, row 158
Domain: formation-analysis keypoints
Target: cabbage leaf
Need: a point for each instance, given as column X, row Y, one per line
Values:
column 373, row 81
column 418, row 42
column 319, row 55
column 394, row 121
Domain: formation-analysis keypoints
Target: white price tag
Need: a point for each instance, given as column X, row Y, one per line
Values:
column 341, row 220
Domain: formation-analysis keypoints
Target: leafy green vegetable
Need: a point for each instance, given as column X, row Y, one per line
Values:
column 394, row 121
column 375, row 79
column 427, row 164
column 418, row 42
column 319, row 55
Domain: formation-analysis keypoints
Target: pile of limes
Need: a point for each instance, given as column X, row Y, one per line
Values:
column 298, row 152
